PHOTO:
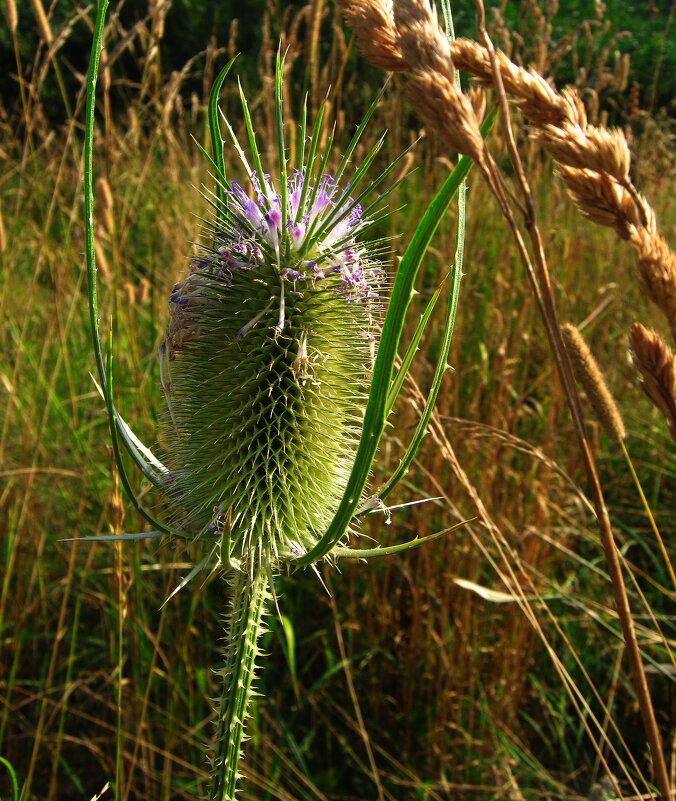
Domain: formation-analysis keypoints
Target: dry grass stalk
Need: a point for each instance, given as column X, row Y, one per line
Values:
column 593, row 162
column 3, row 235
column 104, row 71
column 104, row 197
column 548, row 107
column 588, row 373
column 102, row 261
column 41, row 21
column 11, row 16
column 656, row 364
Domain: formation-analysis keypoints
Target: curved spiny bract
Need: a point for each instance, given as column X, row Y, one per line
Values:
column 266, row 356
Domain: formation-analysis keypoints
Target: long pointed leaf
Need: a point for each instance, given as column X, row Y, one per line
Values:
column 191, row 575
column 143, row 457
column 345, row 160
column 143, row 535
column 314, row 142
column 215, row 131
column 253, row 147
column 376, row 408
column 300, row 149
column 398, row 380
column 370, row 553
column 281, row 149
column 105, row 376
column 442, row 366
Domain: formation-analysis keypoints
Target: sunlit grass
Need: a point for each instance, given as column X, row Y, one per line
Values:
column 457, row 693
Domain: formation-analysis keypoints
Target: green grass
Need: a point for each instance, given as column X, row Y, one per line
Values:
column 459, row 695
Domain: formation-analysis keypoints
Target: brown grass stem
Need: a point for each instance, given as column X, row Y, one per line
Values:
column 363, row 731
column 542, row 285
column 413, row 36
column 518, row 582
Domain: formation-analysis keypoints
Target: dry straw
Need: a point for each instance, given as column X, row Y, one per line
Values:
column 11, row 15
column 3, row 235
column 41, row 21
column 657, row 367
column 104, row 197
column 593, row 162
column 589, row 374
column 602, row 157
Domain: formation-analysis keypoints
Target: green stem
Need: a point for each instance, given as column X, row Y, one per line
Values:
column 249, row 597
column 646, row 506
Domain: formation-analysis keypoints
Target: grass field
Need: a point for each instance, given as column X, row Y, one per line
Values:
column 486, row 665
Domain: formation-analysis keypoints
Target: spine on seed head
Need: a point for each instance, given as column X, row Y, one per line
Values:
column 264, row 364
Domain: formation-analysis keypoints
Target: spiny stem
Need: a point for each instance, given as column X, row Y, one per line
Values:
column 249, row 597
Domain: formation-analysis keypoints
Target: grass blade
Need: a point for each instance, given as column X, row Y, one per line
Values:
column 215, row 132
column 376, row 408
column 449, row 324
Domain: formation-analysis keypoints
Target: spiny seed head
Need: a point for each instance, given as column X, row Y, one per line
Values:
column 264, row 364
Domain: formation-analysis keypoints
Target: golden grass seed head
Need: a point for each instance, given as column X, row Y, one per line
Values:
column 377, row 37
column 11, row 15
column 656, row 365
column 588, row 373
column 41, row 21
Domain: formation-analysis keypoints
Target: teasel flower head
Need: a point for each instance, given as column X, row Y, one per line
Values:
column 265, row 363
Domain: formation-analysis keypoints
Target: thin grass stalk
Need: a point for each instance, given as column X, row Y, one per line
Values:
column 355, row 700
column 451, row 310
column 542, row 285
column 314, row 28
column 117, row 515
column 590, row 376
column 648, row 511
column 431, row 67
column 104, row 371
column 12, row 24
column 14, row 784
column 516, row 579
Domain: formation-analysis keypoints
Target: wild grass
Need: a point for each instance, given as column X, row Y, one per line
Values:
column 476, row 667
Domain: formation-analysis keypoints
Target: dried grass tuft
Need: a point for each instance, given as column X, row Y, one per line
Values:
column 657, row 266
column 11, row 15
column 588, row 373
column 422, row 42
column 438, row 101
column 373, row 27
column 602, row 199
column 597, row 149
column 657, row 367
column 41, row 21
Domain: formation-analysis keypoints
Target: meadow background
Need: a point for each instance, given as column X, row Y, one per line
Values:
column 487, row 665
